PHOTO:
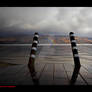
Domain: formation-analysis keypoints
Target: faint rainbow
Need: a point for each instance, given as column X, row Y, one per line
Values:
column 52, row 40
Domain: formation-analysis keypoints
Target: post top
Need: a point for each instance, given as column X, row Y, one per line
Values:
column 36, row 33
column 71, row 33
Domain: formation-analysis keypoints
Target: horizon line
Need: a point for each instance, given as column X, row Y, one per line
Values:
column 40, row 44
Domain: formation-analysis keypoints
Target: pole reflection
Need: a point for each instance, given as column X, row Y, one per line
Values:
column 31, row 64
column 33, row 73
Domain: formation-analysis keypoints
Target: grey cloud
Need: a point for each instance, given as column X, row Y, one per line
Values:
column 60, row 20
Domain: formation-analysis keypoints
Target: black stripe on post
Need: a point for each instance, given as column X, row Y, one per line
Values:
column 76, row 58
column 31, row 64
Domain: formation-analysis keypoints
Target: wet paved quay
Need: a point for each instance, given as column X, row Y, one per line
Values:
column 54, row 65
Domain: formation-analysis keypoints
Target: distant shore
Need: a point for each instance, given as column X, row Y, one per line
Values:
column 40, row 44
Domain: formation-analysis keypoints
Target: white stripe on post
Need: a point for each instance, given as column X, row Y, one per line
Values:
column 32, row 56
column 36, row 36
column 71, row 34
column 76, row 55
column 35, row 41
column 73, row 41
column 34, row 48
column 75, row 48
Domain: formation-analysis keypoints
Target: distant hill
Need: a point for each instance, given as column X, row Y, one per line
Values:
column 44, row 39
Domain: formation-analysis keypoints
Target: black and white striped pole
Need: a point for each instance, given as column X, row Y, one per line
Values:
column 32, row 57
column 77, row 64
column 36, row 36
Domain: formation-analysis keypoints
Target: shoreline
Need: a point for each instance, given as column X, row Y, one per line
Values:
column 42, row 44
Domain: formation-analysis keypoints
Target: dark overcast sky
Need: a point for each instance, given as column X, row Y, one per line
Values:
column 60, row 20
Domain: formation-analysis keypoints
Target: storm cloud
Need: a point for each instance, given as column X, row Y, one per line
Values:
column 50, row 20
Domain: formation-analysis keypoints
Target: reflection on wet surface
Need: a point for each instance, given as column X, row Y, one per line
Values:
column 49, row 63
column 33, row 74
column 13, row 52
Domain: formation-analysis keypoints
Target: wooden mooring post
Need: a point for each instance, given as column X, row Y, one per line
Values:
column 31, row 63
column 77, row 64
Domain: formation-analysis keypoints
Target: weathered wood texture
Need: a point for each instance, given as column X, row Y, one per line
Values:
column 48, row 74
column 53, row 65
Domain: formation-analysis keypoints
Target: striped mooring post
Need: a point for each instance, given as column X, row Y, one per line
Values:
column 77, row 64
column 32, row 57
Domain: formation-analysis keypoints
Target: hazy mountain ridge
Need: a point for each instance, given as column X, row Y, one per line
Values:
column 44, row 39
